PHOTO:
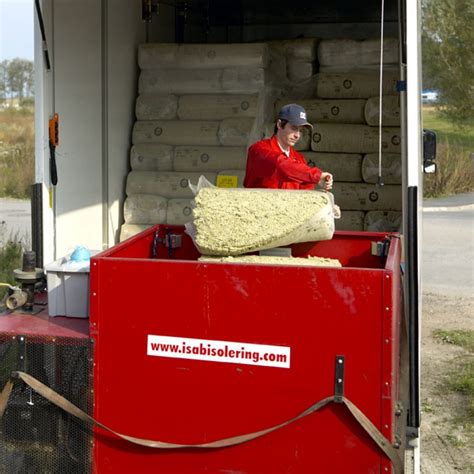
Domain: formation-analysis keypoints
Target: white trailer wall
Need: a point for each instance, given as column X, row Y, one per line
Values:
column 92, row 86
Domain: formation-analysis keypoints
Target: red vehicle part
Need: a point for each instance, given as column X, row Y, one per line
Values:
column 314, row 313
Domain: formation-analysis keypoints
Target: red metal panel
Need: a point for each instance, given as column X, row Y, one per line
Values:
column 317, row 312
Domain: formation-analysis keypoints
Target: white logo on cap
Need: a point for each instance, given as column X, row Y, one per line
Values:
column 303, row 115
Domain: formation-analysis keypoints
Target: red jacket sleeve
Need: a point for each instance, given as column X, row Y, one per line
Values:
column 267, row 165
column 298, row 170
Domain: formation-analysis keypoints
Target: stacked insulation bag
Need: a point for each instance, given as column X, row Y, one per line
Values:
column 230, row 223
column 197, row 111
column 342, row 102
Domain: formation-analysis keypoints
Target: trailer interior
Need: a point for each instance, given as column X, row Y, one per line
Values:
column 91, row 69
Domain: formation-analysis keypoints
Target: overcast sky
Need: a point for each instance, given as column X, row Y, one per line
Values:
column 16, row 29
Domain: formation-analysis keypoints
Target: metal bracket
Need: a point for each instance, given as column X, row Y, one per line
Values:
column 172, row 241
column 379, row 249
column 339, row 379
column 21, row 353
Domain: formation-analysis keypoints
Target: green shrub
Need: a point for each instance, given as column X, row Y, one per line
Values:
column 17, row 152
column 10, row 258
column 454, row 173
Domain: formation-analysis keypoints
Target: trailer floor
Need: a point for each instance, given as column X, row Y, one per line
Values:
column 446, row 445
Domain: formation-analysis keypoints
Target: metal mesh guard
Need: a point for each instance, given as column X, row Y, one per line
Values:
column 35, row 435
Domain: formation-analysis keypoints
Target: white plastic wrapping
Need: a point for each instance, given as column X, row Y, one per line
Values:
column 345, row 52
column 343, row 166
column 345, row 138
column 176, row 132
column 367, row 197
column 145, row 209
column 217, row 106
column 209, row 158
column 333, row 111
column 390, row 108
column 391, row 168
column 165, row 184
column 202, row 56
column 156, row 107
column 354, row 85
column 151, row 157
column 239, row 221
column 383, row 221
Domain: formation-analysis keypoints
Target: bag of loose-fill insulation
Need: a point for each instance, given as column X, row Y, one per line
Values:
column 383, row 221
column 368, row 197
column 235, row 131
column 165, row 184
column 236, row 80
column 343, row 166
column 217, row 106
column 347, row 138
column 209, row 158
column 355, row 85
column 231, row 221
column 301, row 49
column 156, row 107
column 351, row 220
column 179, row 211
column 347, row 52
column 129, row 230
column 390, row 111
column 176, row 132
column 151, row 157
column 333, row 111
column 201, row 56
column 391, row 168
column 309, row 261
column 298, row 71
column 145, row 209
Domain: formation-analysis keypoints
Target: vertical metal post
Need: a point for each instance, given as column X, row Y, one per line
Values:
column 37, row 222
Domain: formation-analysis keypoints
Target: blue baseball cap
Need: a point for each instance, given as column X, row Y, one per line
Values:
column 294, row 114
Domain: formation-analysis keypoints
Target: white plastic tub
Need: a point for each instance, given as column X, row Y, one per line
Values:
column 68, row 287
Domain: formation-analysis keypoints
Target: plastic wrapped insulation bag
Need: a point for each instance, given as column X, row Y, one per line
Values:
column 235, row 221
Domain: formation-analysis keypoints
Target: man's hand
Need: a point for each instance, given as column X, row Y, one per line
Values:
column 326, row 181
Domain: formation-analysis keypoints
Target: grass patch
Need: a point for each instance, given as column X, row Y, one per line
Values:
column 459, row 337
column 455, row 173
column 461, row 377
column 10, row 258
column 433, row 119
column 17, row 152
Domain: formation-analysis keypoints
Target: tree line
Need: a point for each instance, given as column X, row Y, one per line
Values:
column 16, row 80
column 448, row 55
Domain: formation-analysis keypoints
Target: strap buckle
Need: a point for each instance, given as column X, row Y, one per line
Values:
column 339, row 379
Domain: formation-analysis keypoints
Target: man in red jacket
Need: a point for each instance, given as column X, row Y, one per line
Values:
column 274, row 163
